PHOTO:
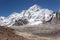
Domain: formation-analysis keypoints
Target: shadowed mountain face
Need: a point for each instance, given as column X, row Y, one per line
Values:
column 56, row 19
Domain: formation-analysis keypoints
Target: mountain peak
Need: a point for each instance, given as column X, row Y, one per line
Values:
column 35, row 7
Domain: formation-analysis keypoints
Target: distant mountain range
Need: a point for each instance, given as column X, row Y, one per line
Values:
column 32, row 16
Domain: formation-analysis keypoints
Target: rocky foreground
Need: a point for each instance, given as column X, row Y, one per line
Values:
column 9, row 34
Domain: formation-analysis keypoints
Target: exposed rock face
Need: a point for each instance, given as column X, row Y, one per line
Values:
column 21, row 22
column 58, row 16
column 56, row 19
column 9, row 34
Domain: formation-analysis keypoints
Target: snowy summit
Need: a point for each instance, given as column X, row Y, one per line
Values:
column 34, row 15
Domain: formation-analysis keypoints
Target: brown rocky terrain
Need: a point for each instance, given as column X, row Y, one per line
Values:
column 9, row 34
column 39, row 32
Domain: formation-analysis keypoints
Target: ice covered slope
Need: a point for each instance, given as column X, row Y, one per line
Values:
column 34, row 15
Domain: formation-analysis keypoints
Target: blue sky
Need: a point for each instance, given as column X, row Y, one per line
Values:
column 9, row 6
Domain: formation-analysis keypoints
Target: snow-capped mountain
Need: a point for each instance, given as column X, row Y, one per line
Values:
column 34, row 15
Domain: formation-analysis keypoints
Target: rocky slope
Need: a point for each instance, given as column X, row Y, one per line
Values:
column 9, row 34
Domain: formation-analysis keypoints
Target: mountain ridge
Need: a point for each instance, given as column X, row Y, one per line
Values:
column 34, row 15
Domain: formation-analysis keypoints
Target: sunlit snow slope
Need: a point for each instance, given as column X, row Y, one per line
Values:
column 34, row 15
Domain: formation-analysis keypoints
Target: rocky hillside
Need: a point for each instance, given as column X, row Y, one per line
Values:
column 9, row 34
